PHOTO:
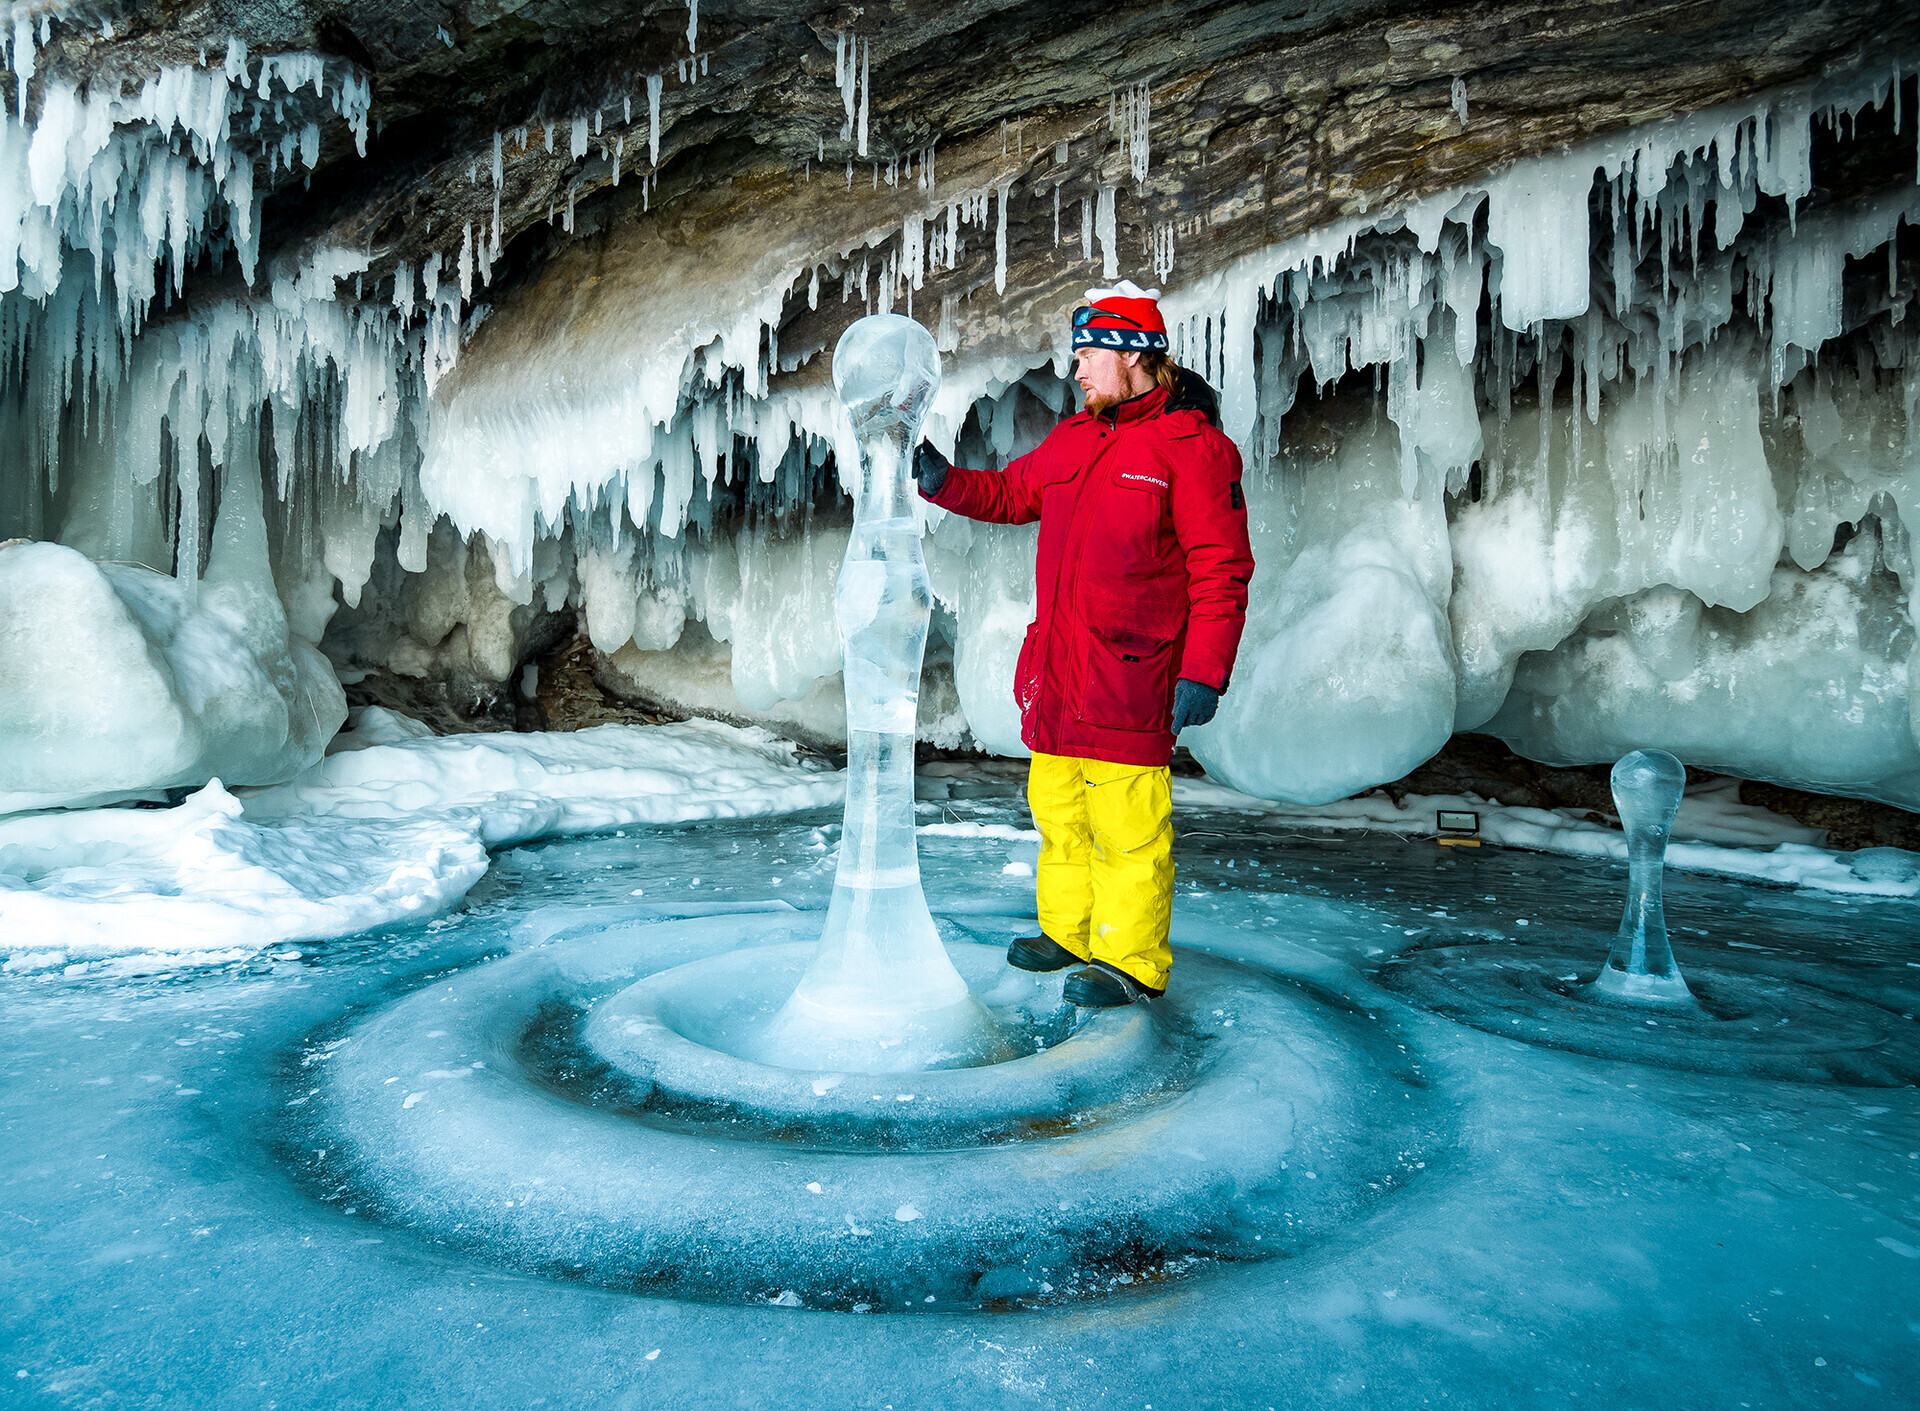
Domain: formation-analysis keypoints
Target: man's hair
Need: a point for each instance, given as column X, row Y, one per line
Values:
column 1161, row 368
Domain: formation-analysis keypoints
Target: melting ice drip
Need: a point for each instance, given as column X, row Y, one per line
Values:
column 1647, row 785
column 881, row 994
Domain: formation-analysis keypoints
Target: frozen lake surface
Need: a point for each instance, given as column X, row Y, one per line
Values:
column 1574, row 1228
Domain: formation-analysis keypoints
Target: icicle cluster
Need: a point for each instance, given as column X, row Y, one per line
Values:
column 1587, row 366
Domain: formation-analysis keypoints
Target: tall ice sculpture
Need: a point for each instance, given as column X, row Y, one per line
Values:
column 1647, row 786
column 881, row 994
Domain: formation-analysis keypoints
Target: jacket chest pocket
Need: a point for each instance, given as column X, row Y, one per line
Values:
column 1134, row 520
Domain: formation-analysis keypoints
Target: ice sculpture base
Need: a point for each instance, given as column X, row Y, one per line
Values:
column 1658, row 991
column 880, row 996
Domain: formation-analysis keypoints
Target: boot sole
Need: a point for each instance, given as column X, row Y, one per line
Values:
column 1023, row 961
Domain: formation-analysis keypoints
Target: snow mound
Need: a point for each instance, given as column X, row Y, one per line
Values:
column 200, row 880
column 514, row 788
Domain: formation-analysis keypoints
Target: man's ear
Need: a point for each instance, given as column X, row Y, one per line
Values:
column 1130, row 359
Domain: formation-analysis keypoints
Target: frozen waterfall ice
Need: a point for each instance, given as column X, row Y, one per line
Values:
column 1647, row 785
column 882, row 994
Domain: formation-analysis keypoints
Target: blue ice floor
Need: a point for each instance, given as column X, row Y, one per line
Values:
column 1587, row 1231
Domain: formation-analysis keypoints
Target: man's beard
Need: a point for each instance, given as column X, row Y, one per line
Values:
column 1094, row 402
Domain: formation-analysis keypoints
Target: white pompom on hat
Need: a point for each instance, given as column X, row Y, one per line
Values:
column 1125, row 289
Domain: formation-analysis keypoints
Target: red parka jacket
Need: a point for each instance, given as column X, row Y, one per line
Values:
column 1141, row 573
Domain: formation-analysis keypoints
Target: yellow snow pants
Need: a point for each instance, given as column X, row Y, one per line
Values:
column 1106, row 861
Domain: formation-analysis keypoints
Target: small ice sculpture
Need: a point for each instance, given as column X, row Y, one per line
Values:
column 881, row 994
column 1647, row 785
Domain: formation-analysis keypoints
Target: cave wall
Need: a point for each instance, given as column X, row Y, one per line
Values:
column 1566, row 346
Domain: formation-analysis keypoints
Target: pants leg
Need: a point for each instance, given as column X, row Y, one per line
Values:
column 1130, row 815
column 1057, row 793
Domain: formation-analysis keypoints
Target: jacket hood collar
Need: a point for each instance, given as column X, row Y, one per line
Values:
column 1190, row 394
column 1149, row 403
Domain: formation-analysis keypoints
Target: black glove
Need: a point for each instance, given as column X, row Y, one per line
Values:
column 930, row 468
column 1193, row 704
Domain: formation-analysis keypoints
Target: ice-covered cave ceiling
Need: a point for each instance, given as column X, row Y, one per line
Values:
column 1567, row 346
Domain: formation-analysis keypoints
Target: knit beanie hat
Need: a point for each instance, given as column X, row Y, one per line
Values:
column 1125, row 318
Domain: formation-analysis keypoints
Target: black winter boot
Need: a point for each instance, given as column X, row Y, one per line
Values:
column 1103, row 987
column 1040, row 954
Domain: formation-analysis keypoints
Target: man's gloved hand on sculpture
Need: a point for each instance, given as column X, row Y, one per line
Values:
column 1141, row 575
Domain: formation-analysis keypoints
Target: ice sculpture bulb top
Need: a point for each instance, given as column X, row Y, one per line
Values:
column 886, row 370
column 1647, row 786
column 881, row 994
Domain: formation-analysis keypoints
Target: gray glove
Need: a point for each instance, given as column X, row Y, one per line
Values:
column 1193, row 704
column 930, row 469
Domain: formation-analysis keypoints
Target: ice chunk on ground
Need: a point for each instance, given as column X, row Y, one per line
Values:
column 394, row 825
column 1810, row 686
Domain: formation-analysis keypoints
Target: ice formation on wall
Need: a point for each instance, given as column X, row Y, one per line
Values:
column 1628, row 399
column 1639, row 427
column 131, row 438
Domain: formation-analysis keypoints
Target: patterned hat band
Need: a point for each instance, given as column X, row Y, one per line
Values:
column 1121, row 340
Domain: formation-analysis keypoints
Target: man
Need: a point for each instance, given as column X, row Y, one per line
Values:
column 1141, row 579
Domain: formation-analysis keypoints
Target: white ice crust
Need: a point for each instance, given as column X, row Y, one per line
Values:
column 393, row 826
column 201, row 882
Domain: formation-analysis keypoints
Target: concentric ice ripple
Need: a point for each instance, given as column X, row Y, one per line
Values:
column 1751, row 1023
column 558, row 1111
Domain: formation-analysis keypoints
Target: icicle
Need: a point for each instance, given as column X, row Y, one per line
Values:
column 1086, row 227
column 1460, row 101
column 693, row 26
column 23, row 63
column 846, row 74
column 947, row 339
column 1056, row 216
column 866, row 91
column 1135, row 107
column 654, row 85
column 577, row 139
column 1109, row 239
column 1000, row 243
